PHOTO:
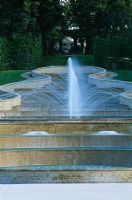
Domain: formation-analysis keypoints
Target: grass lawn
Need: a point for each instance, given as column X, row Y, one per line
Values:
column 10, row 76
column 124, row 75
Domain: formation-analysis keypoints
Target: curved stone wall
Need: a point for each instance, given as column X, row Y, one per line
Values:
column 13, row 99
column 40, row 72
column 101, row 80
column 28, row 84
column 126, row 98
column 10, row 102
column 49, row 70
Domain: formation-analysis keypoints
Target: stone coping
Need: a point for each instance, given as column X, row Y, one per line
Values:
column 38, row 168
column 65, row 122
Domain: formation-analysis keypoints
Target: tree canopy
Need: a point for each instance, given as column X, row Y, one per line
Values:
column 54, row 18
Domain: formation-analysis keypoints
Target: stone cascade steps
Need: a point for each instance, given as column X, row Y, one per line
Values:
column 66, row 151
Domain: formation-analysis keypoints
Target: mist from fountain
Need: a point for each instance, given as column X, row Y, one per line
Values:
column 71, row 95
column 73, row 90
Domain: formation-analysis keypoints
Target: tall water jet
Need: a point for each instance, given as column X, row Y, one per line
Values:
column 73, row 91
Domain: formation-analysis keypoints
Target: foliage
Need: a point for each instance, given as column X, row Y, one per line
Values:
column 118, row 15
column 13, row 17
column 113, row 50
column 85, row 16
column 29, row 26
column 48, row 15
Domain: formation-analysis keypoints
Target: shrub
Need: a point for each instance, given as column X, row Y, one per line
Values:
column 4, row 54
column 101, row 51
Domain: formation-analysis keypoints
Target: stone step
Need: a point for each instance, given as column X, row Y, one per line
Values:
column 66, row 156
column 48, row 141
column 98, row 175
column 54, row 125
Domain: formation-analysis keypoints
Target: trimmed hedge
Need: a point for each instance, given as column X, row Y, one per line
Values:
column 26, row 52
column 20, row 52
column 4, row 54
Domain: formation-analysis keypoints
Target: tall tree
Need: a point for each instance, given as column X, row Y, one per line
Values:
column 84, row 14
column 12, row 17
column 118, row 15
column 48, row 15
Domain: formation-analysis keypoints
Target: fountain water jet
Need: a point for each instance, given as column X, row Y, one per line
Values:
column 73, row 90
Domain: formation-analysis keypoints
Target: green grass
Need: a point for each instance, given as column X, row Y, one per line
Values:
column 124, row 75
column 62, row 60
column 11, row 76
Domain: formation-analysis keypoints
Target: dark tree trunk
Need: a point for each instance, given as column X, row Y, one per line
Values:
column 44, row 44
column 43, row 36
column 75, row 44
column 88, row 49
column 50, row 47
column 60, row 46
column 82, row 45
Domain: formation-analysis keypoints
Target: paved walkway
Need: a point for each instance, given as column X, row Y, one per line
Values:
column 66, row 192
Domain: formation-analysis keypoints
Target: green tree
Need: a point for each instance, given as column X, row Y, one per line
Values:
column 118, row 15
column 48, row 15
column 13, row 17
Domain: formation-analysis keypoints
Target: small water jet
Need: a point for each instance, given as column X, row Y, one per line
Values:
column 36, row 133
column 73, row 91
column 108, row 133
